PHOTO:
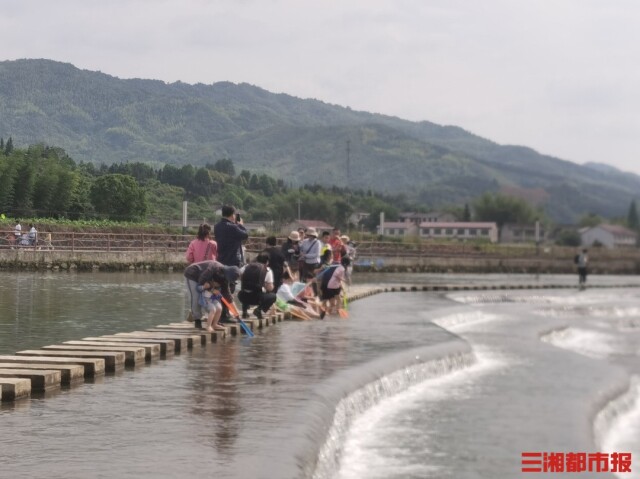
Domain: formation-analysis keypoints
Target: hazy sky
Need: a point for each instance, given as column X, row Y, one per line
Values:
column 560, row 76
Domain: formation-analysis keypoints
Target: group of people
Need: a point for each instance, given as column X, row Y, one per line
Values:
column 306, row 274
column 29, row 238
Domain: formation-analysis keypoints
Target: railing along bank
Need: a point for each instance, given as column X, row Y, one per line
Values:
column 366, row 250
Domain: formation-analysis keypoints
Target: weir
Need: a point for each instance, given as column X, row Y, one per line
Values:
column 68, row 363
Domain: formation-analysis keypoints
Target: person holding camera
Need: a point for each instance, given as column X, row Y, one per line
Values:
column 229, row 233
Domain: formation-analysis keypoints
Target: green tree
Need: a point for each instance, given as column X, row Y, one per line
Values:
column 225, row 166
column 25, row 183
column 503, row 209
column 7, row 174
column 8, row 147
column 119, row 197
column 590, row 220
column 266, row 185
column 569, row 238
column 632, row 216
column 80, row 204
column 202, row 182
column 64, row 190
column 466, row 214
column 44, row 191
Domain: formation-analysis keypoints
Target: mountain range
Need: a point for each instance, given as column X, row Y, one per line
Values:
column 99, row 118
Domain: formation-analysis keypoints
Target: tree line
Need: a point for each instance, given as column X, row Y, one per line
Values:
column 43, row 181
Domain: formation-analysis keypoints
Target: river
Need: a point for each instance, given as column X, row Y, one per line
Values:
column 415, row 384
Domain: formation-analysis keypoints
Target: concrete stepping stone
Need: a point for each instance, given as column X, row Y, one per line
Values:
column 41, row 380
column 69, row 373
column 132, row 355
column 167, row 346
column 92, row 366
column 12, row 389
column 151, row 351
column 113, row 360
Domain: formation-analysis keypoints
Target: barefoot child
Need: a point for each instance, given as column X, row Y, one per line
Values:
column 210, row 302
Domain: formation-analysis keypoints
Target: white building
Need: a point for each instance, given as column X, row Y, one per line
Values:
column 459, row 230
column 610, row 236
column 522, row 233
column 399, row 228
column 431, row 217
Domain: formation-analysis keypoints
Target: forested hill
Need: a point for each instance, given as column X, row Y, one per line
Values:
column 99, row 118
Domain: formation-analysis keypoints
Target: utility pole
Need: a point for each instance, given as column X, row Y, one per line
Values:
column 299, row 202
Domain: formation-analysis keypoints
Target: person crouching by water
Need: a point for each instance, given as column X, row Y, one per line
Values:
column 285, row 293
column 583, row 260
column 330, row 280
column 203, row 248
column 208, row 276
column 257, row 287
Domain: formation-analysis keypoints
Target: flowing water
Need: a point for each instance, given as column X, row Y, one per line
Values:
column 438, row 385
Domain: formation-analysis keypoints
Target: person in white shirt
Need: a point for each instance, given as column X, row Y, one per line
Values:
column 285, row 293
column 33, row 234
column 310, row 253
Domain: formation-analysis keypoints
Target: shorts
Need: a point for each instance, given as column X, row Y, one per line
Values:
column 329, row 293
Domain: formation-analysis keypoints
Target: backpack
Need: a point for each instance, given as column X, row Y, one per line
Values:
column 253, row 276
column 576, row 259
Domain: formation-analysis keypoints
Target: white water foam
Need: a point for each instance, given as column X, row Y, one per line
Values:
column 590, row 343
column 368, row 451
column 360, row 401
column 617, row 426
column 459, row 321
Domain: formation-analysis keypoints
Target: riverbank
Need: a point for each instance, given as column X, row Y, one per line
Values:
column 601, row 262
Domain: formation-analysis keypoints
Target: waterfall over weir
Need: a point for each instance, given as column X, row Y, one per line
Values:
column 366, row 385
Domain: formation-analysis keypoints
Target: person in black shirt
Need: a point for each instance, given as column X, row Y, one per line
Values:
column 229, row 233
column 277, row 261
column 291, row 251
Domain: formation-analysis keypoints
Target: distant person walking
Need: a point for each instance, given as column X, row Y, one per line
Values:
column 203, row 248
column 583, row 260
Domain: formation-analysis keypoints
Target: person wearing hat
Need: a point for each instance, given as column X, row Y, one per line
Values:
column 291, row 251
column 208, row 276
column 310, row 252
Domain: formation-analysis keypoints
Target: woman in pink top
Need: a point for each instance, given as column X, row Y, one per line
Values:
column 203, row 248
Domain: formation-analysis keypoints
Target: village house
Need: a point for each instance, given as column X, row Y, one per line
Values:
column 357, row 217
column 400, row 228
column 431, row 217
column 459, row 230
column 609, row 236
column 522, row 233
